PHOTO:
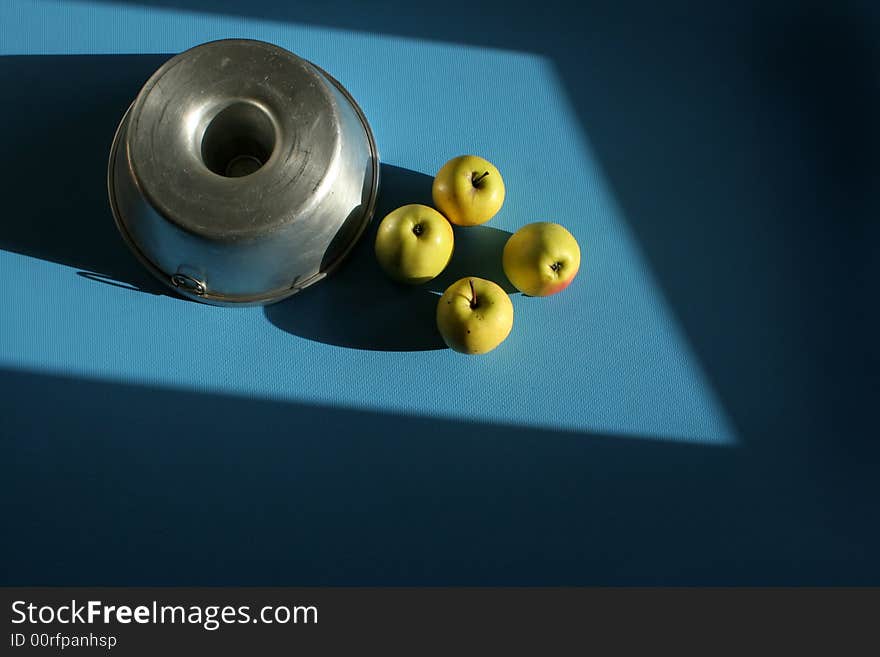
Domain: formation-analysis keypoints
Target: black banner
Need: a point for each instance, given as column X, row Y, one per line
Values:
column 415, row 621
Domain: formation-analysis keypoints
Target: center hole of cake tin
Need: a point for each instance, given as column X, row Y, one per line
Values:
column 238, row 140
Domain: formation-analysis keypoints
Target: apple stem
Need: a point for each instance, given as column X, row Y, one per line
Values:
column 473, row 294
column 477, row 179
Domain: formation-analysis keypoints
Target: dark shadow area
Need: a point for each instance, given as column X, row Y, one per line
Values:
column 496, row 23
column 59, row 114
column 478, row 251
column 359, row 307
column 741, row 142
column 128, row 485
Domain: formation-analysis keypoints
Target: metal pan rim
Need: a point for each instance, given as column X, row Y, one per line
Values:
column 268, row 297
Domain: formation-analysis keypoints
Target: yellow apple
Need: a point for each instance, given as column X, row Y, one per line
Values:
column 541, row 259
column 474, row 315
column 414, row 243
column 468, row 190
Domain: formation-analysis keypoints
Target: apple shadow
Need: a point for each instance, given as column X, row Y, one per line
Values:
column 359, row 307
column 477, row 253
column 59, row 115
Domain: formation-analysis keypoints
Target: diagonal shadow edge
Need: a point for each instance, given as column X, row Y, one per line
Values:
column 8, row 371
column 212, row 489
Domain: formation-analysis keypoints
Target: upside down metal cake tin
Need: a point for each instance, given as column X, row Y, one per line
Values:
column 242, row 173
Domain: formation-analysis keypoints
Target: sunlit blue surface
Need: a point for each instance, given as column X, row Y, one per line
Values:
column 605, row 356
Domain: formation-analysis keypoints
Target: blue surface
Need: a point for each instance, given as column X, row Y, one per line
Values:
column 695, row 408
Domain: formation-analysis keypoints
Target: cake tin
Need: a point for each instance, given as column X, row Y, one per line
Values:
column 242, row 173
